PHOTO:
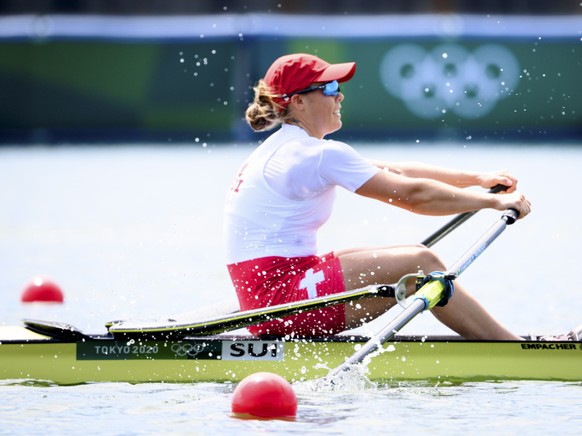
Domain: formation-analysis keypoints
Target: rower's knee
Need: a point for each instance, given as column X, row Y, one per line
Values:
column 427, row 260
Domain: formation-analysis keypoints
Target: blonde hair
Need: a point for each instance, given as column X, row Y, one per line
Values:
column 264, row 113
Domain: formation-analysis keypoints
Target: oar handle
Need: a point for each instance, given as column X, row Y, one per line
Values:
column 498, row 188
column 510, row 215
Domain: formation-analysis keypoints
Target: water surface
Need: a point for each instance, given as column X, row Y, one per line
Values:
column 135, row 232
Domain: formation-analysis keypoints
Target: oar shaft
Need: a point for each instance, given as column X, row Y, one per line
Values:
column 447, row 228
column 245, row 318
column 256, row 316
column 386, row 333
column 508, row 217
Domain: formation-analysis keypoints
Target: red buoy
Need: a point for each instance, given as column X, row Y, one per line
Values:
column 43, row 290
column 264, row 395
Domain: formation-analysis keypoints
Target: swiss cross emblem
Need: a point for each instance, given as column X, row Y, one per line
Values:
column 310, row 282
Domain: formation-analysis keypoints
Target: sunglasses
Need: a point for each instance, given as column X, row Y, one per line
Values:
column 330, row 89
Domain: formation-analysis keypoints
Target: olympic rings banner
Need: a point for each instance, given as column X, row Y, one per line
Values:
column 480, row 88
column 189, row 79
column 449, row 78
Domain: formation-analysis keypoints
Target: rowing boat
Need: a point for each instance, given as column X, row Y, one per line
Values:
column 202, row 351
column 79, row 358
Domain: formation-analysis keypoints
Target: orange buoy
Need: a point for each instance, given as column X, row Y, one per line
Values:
column 41, row 289
column 264, row 395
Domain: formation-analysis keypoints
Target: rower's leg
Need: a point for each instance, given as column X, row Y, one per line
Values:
column 362, row 267
column 465, row 315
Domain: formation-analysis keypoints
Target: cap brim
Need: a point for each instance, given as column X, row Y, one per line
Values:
column 340, row 72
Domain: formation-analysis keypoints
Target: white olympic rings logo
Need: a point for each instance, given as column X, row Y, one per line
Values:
column 186, row 349
column 449, row 78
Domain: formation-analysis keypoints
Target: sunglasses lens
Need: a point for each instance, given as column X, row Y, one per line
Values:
column 331, row 89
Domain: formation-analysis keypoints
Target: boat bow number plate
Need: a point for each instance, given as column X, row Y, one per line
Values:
column 199, row 349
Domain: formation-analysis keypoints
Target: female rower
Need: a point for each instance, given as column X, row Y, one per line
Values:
column 284, row 193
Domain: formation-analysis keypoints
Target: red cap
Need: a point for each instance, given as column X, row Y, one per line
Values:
column 298, row 71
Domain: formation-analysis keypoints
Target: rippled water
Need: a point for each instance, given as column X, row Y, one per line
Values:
column 470, row 408
column 136, row 232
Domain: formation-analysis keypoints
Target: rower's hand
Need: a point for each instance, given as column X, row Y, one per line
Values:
column 516, row 201
column 489, row 180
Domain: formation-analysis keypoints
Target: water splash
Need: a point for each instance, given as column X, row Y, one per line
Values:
column 354, row 379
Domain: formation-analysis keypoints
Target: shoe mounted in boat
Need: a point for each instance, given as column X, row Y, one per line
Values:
column 574, row 335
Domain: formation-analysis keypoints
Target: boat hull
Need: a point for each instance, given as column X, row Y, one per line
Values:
column 225, row 358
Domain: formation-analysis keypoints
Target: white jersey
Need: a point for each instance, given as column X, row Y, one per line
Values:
column 284, row 193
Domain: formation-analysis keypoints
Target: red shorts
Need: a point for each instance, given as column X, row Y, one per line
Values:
column 269, row 281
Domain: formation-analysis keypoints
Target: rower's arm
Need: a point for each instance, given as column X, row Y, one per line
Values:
column 453, row 177
column 433, row 197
